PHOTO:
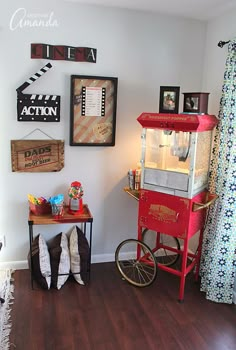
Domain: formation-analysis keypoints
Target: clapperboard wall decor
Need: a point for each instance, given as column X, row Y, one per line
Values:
column 37, row 108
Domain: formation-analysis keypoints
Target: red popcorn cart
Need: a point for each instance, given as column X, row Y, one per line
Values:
column 173, row 197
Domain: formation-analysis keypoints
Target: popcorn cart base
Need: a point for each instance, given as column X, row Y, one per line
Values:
column 178, row 217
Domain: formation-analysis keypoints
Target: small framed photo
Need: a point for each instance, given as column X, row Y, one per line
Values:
column 93, row 110
column 169, row 99
column 196, row 102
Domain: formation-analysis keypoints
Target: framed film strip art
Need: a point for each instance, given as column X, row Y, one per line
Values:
column 34, row 107
column 93, row 110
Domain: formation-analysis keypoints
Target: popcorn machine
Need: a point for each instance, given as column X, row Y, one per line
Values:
column 173, row 198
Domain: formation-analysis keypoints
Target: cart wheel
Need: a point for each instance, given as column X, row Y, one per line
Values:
column 136, row 262
column 163, row 255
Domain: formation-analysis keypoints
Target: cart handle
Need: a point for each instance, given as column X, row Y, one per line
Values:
column 210, row 197
column 132, row 193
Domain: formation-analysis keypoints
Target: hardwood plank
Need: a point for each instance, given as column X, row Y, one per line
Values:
column 110, row 314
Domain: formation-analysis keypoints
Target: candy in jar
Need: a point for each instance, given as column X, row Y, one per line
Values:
column 75, row 193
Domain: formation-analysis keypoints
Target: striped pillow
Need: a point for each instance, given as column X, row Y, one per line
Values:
column 79, row 255
column 60, row 260
column 41, row 262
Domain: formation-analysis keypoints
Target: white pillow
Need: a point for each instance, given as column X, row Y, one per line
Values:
column 41, row 262
column 60, row 260
column 79, row 255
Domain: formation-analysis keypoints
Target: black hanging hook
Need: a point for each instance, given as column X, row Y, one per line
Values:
column 222, row 43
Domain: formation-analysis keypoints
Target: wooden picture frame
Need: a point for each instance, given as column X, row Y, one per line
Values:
column 169, row 99
column 93, row 110
column 195, row 102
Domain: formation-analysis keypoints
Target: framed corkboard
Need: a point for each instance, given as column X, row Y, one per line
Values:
column 37, row 155
column 93, row 110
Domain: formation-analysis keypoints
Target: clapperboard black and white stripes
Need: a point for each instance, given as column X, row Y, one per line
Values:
column 39, row 108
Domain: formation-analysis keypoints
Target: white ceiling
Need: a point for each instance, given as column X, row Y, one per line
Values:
column 197, row 9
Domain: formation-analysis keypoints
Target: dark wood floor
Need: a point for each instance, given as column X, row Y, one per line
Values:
column 110, row 314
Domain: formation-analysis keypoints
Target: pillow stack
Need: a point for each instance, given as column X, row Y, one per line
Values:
column 52, row 267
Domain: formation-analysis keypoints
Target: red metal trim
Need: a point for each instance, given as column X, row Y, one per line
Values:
column 178, row 122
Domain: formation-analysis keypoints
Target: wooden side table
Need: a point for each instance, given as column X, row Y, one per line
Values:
column 83, row 218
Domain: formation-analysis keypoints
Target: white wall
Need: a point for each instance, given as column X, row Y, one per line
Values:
column 144, row 51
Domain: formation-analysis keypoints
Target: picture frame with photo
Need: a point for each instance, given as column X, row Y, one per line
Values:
column 169, row 99
column 195, row 102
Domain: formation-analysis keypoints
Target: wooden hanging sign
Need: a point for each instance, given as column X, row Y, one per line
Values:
column 33, row 156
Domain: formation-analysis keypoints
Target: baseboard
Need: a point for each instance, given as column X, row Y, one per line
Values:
column 14, row 265
column 23, row 264
column 100, row 258
column 97, row 258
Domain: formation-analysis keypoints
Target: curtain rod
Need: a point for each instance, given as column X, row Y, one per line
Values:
column 222, row 43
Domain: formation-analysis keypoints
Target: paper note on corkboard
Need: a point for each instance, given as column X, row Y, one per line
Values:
column 37, row 155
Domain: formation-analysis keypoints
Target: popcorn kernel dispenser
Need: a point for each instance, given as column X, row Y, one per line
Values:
column 75, row 193
column 173, row 198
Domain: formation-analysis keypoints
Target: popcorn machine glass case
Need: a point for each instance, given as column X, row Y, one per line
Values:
column 175, row 155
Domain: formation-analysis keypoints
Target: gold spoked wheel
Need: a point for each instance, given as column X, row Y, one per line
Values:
column 168, row 253
column 136, row 262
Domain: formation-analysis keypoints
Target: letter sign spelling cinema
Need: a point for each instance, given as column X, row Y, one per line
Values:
column 62, row 52
column 39, row 108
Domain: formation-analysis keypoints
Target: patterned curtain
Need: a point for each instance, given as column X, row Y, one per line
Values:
column 218, row 261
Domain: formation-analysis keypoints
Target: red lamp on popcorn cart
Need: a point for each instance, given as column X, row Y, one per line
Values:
column 75, row 193
column 173, row 196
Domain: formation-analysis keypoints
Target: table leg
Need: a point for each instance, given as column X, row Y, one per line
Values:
column 90, row 246
column 30, row 223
